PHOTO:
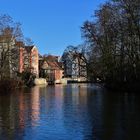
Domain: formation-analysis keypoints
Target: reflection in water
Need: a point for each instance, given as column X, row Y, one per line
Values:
column 69, row 112
column 21, row 111
column 35, row 105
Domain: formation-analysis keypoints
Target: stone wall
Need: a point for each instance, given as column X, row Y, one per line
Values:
column 40, row 81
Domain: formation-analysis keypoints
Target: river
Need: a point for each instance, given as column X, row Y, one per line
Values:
column 69, row 112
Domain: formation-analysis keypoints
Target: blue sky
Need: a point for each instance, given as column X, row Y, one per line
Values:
column 51, row 24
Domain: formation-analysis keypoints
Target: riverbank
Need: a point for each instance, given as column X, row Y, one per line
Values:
column 8, row 85
column 124, row 87
column 115, row 87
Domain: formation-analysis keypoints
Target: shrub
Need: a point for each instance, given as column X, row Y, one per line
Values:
column 8, row 85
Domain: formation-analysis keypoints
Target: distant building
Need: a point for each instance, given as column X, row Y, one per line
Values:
column 52, row 68
column 75, row 67
column 28, row 59
column 68, row 68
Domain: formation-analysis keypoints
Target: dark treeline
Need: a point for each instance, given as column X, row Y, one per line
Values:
column 114, row 36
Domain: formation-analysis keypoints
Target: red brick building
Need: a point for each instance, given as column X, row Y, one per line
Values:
column 28, row 59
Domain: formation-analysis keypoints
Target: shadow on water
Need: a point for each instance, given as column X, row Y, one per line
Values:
column 115, row 116
column 69, row 112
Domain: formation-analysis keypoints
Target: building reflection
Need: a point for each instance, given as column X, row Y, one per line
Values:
column 59, row 97
column 35, row 105
column 79, row 93
column 75, row 115
column 21, row 111
column 29, row 107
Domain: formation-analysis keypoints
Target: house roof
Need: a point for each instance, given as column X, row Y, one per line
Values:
column 53, row 65
column 51, row 57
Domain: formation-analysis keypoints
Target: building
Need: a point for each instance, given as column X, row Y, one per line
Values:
column 28, row 59
column 51, row 68
column 75, row 67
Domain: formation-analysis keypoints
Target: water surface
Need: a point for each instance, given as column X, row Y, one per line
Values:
column 69, row 112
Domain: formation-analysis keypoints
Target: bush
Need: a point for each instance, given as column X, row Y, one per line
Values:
column 8, row 85
column 28, row 78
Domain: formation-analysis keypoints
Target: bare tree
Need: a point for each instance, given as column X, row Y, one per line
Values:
column 28, row 41
column 10, row 32
column 114, row 35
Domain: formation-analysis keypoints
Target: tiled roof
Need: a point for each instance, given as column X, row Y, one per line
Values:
column 52, row 58
column 54, row 65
